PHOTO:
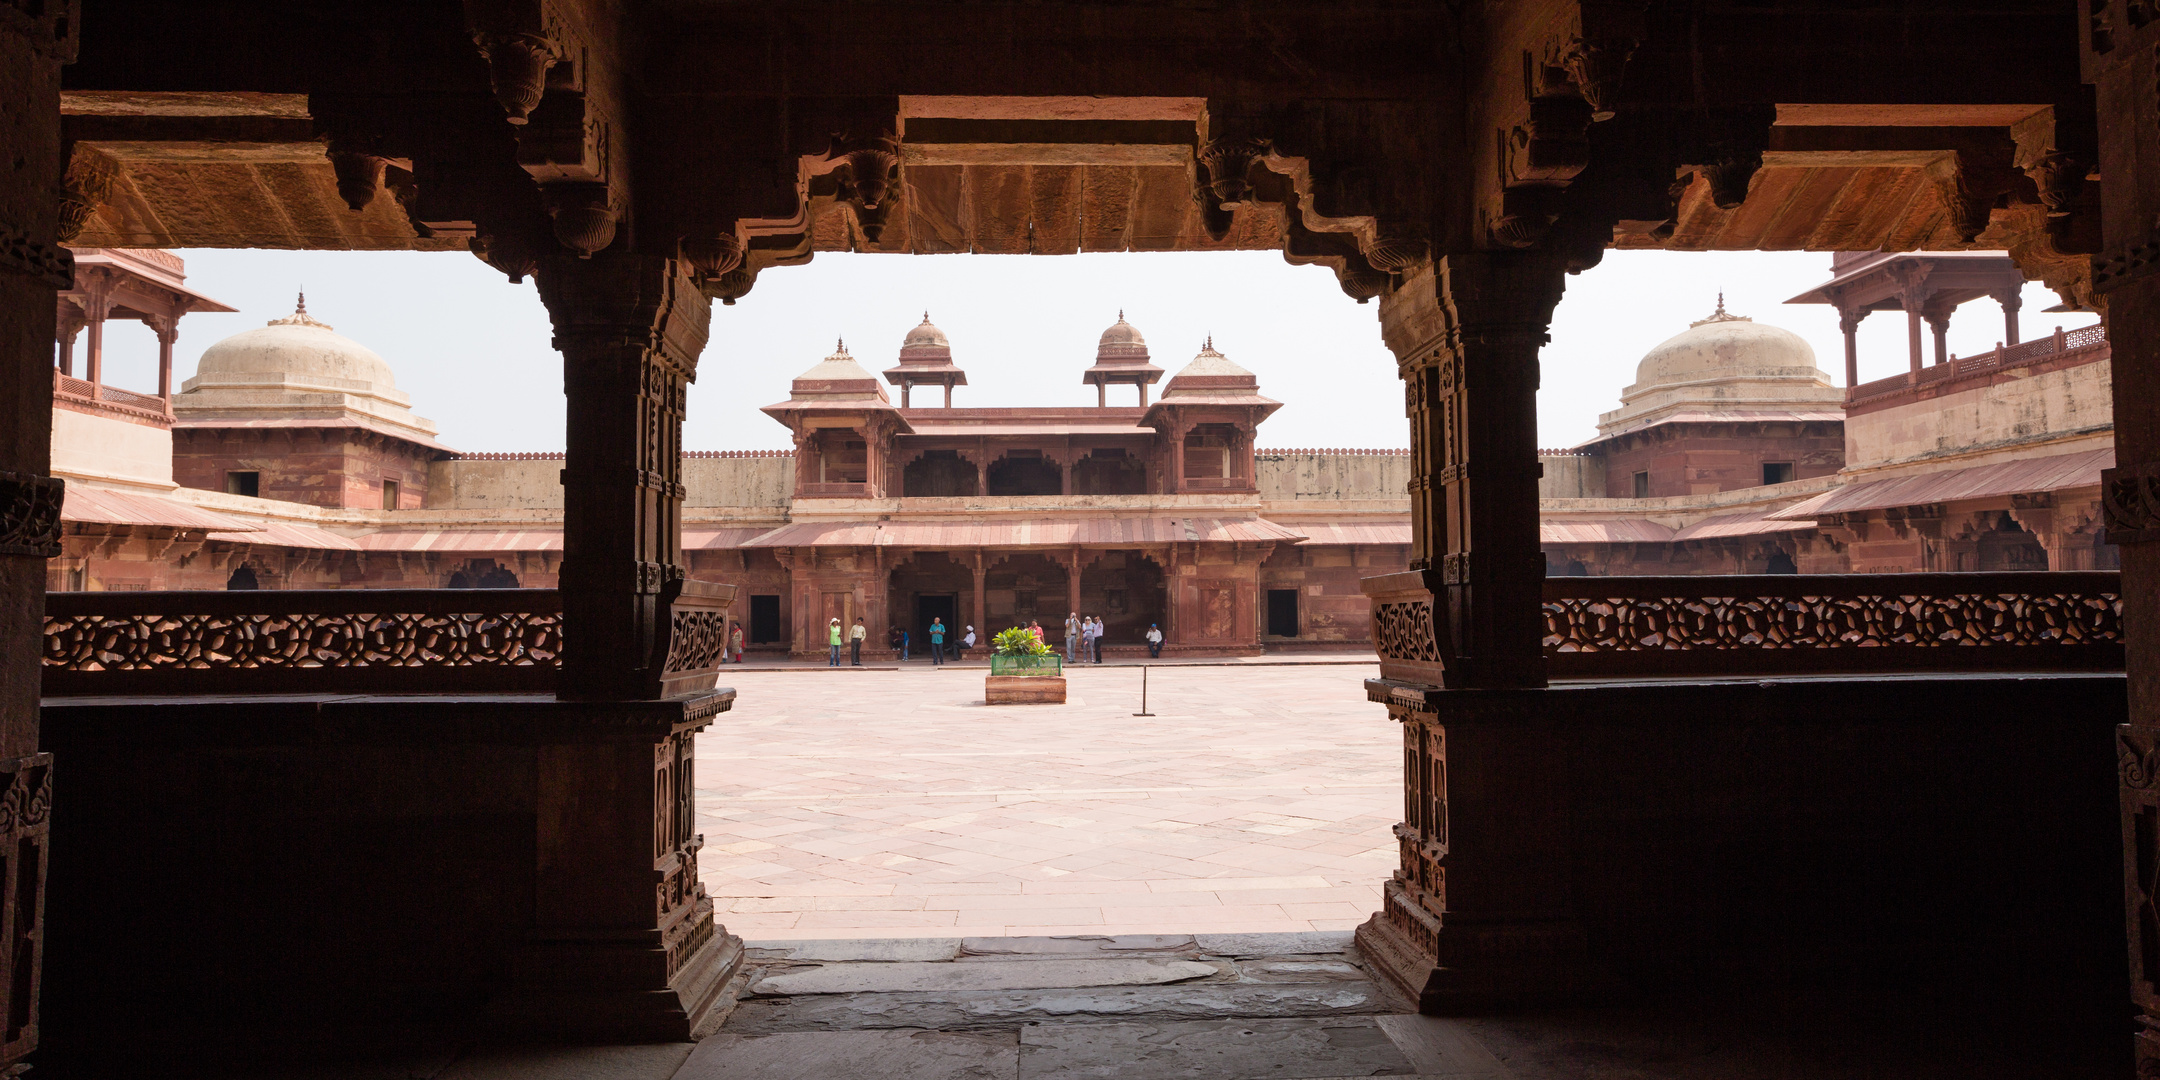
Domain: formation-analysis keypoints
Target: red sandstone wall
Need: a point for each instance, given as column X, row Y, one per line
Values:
column 1693, row 459
column 318, row 466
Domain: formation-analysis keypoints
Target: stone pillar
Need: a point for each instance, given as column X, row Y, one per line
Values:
column 2011, row 300
column 1849, row 322
column 33, row 270
column 1912, row 335
column 625, row 944
column 1072, row 581
column 71, row 327
column 1938, row 320
column 1466, row 336
column 97, row 304
column 2126, row 81
column 1479, row 910
column 167, row 328
column 982, row 617
column 630, row 329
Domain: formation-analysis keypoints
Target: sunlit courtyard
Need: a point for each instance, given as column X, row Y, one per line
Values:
column 839, row 804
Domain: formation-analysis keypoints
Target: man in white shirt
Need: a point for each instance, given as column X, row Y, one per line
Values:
column 1154, row 640
column 967, row 641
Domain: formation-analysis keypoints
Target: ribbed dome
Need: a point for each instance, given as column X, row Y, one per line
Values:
column 925, row 335
column 1122, row 333
column 303, row 350
column 1724, row 346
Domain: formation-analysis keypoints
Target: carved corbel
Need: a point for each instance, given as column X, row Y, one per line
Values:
column 88, row 183
column 518, row 64
column 712, row 258
column 1552, row 144
column 583, row 216
column 1526, row 216
column 1228, row 166
column 359, row 173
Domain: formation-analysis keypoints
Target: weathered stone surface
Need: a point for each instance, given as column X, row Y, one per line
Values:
column 855, row 1055
column 842, row 950
column 1244, row 1049
column 978, row 1009
column 1443, row 1046
column 1299, row 971
column 1256, row 946
column 878, row 978
column 651, row 1062
column 1040, row 948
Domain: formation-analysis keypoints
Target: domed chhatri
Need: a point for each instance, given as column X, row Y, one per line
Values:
column 1724, row 365
column 298, row 368
column 925, row 359
column 1124, row 335
column 926, row 335
column 837, row 381
column 1209, row 364
column 1121, row 356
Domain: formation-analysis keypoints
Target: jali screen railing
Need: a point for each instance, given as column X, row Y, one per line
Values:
column 1617, row 627
column 302, row 640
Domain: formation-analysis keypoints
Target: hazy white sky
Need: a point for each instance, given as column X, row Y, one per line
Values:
column 472, row 350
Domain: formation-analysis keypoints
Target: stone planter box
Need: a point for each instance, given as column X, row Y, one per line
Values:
column 1024, row 689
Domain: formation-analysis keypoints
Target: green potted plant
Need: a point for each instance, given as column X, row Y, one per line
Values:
column 1023, row 671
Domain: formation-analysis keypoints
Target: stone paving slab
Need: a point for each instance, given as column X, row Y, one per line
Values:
column 984, row 1009
column 856, row 1055
column 882, row 978
column 895, row 804
column 1211, row 1049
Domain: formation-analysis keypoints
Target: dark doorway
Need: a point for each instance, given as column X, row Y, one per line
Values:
column 243, row 578
column 1025, row 474
column 1780, row 563
column 929, row 606
column 764, row 620
column 1282, row 612
column 938, row 474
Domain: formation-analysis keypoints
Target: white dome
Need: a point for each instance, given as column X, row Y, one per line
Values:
column 302, row 349
column 1724, row 346
column 298, row 369
column 1726, row 367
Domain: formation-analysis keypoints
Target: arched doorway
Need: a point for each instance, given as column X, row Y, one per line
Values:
column 1025, row 472
column 1027, row 586
column 1110, row 472
column 930, row 585
column 938, row 474
column 242, row 579
column 1125, row 589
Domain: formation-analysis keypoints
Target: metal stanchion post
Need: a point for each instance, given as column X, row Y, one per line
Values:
column 1143, row 692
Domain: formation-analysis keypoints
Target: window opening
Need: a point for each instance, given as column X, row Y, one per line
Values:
column 244, row 483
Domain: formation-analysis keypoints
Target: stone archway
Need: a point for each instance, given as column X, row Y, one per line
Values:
column 928, row 583
column 1127, row 590
column 938, row 474
column 1022, row 586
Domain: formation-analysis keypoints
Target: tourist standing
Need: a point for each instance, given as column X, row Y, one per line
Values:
column 937, row 640
column 1090, row 635
column 1154, row 641
column 854, row 642
column 833, row 634
column 735, row 641
column 1100, row 630
column 1073, row 628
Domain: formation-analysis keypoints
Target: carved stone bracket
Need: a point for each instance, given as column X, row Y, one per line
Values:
column 584, row 216
column 30, row 514
column 2121, row 265
column 22, row 254
column 2130, row 503
column 517, row 69
column 89, row 182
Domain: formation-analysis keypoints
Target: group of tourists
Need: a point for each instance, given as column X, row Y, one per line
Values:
column 901, row 641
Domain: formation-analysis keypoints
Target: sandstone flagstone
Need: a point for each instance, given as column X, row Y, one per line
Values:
column 1244, row 1049
column 855, row 1055
column 871, row 978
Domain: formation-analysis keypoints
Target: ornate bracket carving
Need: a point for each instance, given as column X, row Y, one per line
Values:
column 30, row 514
column 517, row 69
column 584, row 216
column 2130, row 503
column 86, row 187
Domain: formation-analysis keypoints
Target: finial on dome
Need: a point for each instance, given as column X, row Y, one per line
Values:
column 1721, row 315
column 1121, row 314
column 840, row 346
column 300, row 317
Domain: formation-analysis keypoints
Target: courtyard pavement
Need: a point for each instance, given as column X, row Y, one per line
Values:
column 890, row 804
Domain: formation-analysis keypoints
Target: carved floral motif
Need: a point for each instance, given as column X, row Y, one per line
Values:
column 1660, row 621
column 151, row 641
column 1404, row 631
column 30, row 514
